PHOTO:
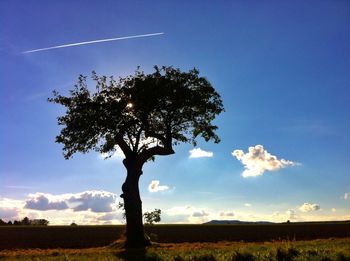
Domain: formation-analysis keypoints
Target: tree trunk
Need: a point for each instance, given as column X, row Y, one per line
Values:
column 135, row 235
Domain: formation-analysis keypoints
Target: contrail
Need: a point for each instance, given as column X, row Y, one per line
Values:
column 91, row 42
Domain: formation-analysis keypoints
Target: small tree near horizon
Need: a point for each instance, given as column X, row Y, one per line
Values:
column 152, row 217
column 144, row 115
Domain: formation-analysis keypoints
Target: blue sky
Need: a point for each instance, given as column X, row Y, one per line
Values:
column 282, row 69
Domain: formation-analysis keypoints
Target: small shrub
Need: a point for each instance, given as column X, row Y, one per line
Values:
column 286, row 255
column 55, row 253
column 242, row 257
column 342, row 257
column 203, row 258
column 177, row 258
column 312, row 253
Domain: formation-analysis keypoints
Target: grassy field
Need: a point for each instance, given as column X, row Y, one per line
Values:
column 322, row 249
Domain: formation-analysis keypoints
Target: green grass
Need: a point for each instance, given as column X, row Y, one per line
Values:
column 322, row 249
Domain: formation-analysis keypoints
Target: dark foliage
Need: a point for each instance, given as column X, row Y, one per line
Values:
column 25, row 222
column 143, row 115
column 152, row 217
column 162, row 109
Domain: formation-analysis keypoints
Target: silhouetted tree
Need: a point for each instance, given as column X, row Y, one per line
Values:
column 39, row 222
column 28, row 222
column 2, row 223
column 25, row 221
column 143, row 115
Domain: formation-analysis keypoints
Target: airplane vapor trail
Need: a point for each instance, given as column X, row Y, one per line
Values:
column 91, row 42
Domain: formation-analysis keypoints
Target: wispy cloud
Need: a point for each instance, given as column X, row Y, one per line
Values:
column 314, row 128
column 258, row 160
column 346, row 195
column 227, row 214
column 199, row 153
column 155, row 187
column 19, row 187
column 92, row 42
column 200, row 214
column 308, row 207
column 186, row 214
column 291, row 214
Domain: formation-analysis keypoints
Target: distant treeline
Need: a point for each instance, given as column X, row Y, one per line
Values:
column 25, row 222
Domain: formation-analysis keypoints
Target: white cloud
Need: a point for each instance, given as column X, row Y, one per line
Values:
column 199, row 153
column 200, row 214
column 291, row 214
column 155, row 187
column 180, row 210
column 227, row 214
column 346, row 195
column 307, row 207
column 8, row 213
column 10, row 203
column 19, row 187
column 111, row 217
column 186, row 214
column 88, row 207
column 247, row 205
column 96, row 201
column 334, row 210
column 276, row 214
column 10, row 208
column 41, row 201
column 257, row 160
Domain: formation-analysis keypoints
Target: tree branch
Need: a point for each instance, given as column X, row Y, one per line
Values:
column 138, row 140
column 157, row 150
column 123, row 146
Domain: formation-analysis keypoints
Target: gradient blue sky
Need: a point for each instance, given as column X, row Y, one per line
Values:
column 282, row 69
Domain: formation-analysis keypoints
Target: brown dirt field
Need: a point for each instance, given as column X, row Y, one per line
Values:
column 12, row 237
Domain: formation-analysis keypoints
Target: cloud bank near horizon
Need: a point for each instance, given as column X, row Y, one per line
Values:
column 258, row 160
column 100, row 207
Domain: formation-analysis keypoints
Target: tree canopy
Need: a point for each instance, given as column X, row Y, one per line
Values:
column 144, row 115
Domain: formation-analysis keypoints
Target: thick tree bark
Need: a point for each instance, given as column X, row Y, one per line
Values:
column 135, row 235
